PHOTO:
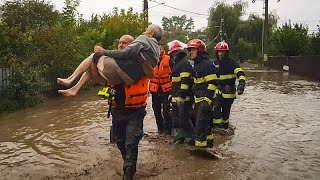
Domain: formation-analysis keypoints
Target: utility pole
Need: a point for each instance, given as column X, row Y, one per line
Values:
column 145, row 10
column 266, row 26
column 221, row 29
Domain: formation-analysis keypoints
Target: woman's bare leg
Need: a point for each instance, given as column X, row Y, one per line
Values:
column 91, row 74
column 74, row 90
column 83, row 67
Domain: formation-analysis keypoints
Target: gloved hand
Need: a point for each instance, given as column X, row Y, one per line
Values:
column 180, row 101
column 240, row 89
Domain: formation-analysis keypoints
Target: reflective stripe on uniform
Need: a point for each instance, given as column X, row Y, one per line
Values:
column 225, row 121
column 210, row 77
column 210, row 137
column 212, row 87
column 228, row 95
column 236, row 70
column 217, row 121
column 176, row 79
column 227, row 76
column 185, row 74
column 174, row 99
column 198, row 80
column 242, row 77
column 200, row 143
column 184, row 86
column 197, row 100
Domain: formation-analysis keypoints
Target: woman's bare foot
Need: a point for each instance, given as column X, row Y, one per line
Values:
column 67, row 92
column 65, row 82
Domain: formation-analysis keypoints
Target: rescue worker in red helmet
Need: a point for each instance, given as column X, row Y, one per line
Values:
column 203, row 88
column 181, row 95
column 160, row 87
column 228, row 70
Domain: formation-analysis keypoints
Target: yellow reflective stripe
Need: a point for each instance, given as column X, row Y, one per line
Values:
column 207, row 99
column 174, row 99
column 210, row 137
column 176, row 79
column 210, row 77
column 185, row 74
column 227, row 76
column 200, row 143
column 228, row 95
column 197, row 100
column 198, row 80
column 225, row 121
column 212, row 87
column 217, row 121
column 184, row 86
column 236, row 70
column 242, row 77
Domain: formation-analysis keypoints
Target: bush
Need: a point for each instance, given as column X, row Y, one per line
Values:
column 23, row 89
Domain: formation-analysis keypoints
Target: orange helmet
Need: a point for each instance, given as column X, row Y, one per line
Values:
column 176, row 45
column 198, row 44
column 222, row 46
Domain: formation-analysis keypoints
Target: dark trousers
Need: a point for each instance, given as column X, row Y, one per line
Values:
column 128, row 130
column 222, row 109
column 203, row 118
column 181, row 123
column 161, row 107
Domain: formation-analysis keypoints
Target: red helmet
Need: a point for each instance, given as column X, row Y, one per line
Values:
column 198, row 44
column 176, row 45
column 222, row 46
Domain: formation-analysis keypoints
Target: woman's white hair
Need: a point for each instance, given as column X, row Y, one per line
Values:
column 157, row 31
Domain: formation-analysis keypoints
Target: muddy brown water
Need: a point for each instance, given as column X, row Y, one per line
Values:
column 277, row 136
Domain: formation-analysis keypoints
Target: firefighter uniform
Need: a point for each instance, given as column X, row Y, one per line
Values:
column 203, row 88
column 160, row 87
column 181, row 89
column 228, row 71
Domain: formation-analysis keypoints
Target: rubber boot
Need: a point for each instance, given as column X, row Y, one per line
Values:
column 128, row 173
column 225, row 125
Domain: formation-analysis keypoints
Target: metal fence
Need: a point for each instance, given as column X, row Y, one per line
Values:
column 4, row 75
column 47, row 82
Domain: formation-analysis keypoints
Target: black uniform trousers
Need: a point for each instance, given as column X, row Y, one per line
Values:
column 181, row 121
column 161, row 108
column 222, row 109
column 127, row 127
column 203, row 118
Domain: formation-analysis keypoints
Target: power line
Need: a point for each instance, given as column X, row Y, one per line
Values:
column 163, row 4
column 173, row 14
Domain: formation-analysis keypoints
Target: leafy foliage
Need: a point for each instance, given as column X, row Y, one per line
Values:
column 21, row 91
column 290, row 40
column 120, row 23
column 177, row 27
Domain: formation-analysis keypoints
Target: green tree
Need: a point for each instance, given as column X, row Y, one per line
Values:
column 28, row 14
column 290, row 40
column 19, row 20
column 315, row 42
column 177, row 27
column 244, row 50
column 69, row 11
column 231, row 15
column 120, row 23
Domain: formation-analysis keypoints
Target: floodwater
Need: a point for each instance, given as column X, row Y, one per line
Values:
column 276, row 136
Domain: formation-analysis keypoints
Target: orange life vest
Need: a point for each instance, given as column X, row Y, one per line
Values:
column 136, row 94
column 162, row 76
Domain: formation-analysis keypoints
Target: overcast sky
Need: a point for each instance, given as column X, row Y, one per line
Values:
column 298, row 11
